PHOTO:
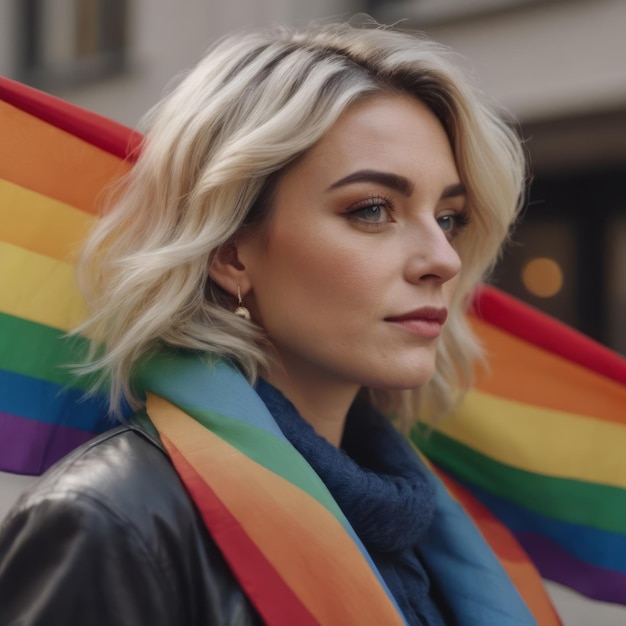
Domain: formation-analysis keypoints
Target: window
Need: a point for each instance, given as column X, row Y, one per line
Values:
column 68, row 42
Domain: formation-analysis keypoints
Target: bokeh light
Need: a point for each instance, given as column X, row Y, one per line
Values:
column 543, row 277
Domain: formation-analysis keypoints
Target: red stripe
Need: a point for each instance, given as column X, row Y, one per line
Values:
column 99, row 131
column 268, row 592
column 545, row 332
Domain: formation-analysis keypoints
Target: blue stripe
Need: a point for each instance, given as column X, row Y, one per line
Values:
column 600, row 548
column 476, row 584
column 188, row 380
column 52, row 403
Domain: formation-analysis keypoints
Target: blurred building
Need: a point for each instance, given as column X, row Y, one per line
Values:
column 556, row 65
column 116, row 57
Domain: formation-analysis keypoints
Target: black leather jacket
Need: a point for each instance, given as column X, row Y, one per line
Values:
column 110, row 536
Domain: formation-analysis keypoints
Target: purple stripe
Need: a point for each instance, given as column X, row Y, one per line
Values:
column 30, row 447
column 556, row 564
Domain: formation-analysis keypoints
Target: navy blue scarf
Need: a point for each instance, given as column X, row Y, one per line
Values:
column 382, row 488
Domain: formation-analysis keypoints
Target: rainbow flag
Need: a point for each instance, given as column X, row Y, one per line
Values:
column 540, row 443
column 55, row 159
column 535, row 445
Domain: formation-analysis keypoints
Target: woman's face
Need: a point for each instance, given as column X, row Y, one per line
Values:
column 353, row 275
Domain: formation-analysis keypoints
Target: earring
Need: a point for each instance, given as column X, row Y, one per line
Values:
column 241, row 310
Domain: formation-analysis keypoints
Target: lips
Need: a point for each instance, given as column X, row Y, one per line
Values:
column 426, row 322
column 429, row 313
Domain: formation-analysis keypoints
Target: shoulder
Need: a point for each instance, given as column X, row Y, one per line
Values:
column 120, row 484
column 105, row 469
column 75, row 538
column 113, row 520
column 123, row 476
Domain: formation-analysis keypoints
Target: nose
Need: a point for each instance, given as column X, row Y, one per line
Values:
column 431, row 257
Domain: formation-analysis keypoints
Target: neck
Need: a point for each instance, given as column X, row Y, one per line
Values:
column 323, row 404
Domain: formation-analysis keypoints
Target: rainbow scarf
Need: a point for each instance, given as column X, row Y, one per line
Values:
column 558, row 486
column 285, row 538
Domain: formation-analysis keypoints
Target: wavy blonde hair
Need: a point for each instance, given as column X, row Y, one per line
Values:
column 214, row 150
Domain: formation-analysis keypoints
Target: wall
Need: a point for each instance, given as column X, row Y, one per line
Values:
column 547, row 59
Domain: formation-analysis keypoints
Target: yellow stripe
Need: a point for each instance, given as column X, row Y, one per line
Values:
column 39, row 289
column 40, row 223
column 540, row 440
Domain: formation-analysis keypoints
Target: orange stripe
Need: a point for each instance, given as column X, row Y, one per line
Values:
column 272, row 596
column 522, row 372
column 52, row 162
column 515, row 561
column 304, row 542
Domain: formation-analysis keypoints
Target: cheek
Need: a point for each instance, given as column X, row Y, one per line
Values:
column 319, row 274
column 451, row 285
column 450, row 288
column 314, row 252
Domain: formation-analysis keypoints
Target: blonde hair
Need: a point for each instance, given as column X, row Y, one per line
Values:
column 214, row 150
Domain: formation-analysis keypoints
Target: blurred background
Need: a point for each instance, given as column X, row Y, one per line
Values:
column 557, row 67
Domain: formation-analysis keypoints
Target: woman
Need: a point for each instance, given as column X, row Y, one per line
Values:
column 311, row 209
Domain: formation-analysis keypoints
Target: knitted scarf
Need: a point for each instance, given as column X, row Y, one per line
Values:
column 382, row 488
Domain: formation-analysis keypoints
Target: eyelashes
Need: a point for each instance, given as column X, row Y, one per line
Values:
column 454, row 224
column 373, row 211
column 377, row 211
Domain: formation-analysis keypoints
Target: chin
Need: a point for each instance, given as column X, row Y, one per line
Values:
column 415, row 370
column 412, row 382
column 412, row 376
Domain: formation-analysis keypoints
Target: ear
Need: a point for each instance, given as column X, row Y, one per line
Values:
column 228, row 271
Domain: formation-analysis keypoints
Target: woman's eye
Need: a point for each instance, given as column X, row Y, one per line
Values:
column 447, row 222
column 372, row 213
column 453, row 223
column 375, row 211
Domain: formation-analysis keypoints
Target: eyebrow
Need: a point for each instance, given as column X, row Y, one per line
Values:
column 451, row 191
column 393, row 181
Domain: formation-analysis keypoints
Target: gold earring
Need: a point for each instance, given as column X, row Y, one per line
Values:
column 241, row 310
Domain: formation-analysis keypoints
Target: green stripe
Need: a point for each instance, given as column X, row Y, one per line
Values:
column 188, row 381
column 578, row 502
column 39, row 351
column 276, row 455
